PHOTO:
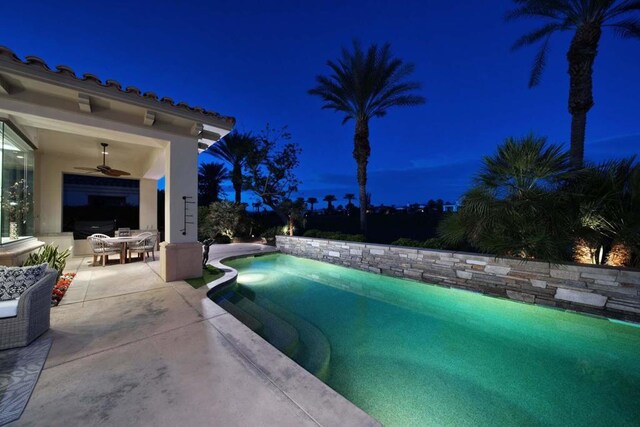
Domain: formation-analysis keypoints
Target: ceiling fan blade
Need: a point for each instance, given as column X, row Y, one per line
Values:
column 114, row 172
column 87, row 169
column 120, row 173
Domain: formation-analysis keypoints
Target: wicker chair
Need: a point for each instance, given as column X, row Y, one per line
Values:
column 103, row 249
column 146, row 245
column 33, row 316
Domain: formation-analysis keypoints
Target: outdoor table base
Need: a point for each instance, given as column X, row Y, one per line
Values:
column 123, row 240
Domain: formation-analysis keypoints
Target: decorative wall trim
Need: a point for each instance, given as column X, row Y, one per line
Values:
column 605, row 291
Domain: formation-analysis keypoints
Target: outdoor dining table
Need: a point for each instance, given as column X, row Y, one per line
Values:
column 123, row 240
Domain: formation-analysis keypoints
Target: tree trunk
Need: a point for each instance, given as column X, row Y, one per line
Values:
column 361, row 152
column 578, row 129
column 290, row 225
column 236, row 181
column 582, row 53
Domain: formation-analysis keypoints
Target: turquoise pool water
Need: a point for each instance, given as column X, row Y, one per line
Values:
column 414, row 354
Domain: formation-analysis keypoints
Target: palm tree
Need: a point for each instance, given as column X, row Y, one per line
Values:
column 312, row 201
column 349, row 197
column 257, row 205
column 329, row 198
column 515, row 207
column 210, row 177
column 585, row 18
column 234, row 149
column 362, row 85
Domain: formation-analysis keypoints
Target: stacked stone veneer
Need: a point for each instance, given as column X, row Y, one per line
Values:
column 610, row 292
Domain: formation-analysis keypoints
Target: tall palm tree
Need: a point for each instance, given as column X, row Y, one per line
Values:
column 210, row 178
column 349, row 197
column 586, row 19
column 364, row 84
column 234, row 149
column 257, row 205
column 312, row 201
column 329, row 198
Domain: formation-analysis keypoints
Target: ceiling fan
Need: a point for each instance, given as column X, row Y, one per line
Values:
column 103, row 168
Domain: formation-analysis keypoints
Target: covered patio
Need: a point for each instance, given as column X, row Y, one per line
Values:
column 54, row 127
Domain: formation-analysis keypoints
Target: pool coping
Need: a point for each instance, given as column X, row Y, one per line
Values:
column 319, row 401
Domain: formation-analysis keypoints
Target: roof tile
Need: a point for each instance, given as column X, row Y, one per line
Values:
column 111, row 84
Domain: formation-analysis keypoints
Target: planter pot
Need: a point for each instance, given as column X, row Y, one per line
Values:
column 13, row 231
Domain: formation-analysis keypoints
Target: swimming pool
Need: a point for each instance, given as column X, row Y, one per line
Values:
column 414, row 354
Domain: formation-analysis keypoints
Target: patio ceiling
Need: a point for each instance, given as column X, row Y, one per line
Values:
column 86, row 151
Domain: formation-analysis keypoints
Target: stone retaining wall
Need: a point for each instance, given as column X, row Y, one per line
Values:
column 605, row 291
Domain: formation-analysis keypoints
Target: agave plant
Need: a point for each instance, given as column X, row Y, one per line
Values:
column 50, row 254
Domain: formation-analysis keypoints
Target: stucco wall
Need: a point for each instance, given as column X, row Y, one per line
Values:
column 148, row 204
column 610, row 292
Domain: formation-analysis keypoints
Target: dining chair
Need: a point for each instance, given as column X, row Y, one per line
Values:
column 144, row 246
column 102, row 248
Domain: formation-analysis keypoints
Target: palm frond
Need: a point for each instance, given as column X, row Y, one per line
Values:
column 627, row 29
column 623, row 8
column 561, row 15
column 535, row 9
column 539, row 63
column 365, row 83
column 233, row 148
column 537, row 35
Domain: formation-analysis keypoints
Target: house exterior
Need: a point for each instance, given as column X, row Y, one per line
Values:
column 52, row 127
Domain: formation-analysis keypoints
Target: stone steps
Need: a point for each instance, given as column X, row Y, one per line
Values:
column 315, row 350
column 275, row 330
column 248, row 320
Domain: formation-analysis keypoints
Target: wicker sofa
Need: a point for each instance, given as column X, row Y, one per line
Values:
column 32, row 315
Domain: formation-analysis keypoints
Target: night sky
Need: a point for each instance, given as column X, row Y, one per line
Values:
column 255, row 60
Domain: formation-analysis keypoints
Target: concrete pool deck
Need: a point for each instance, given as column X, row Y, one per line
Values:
column 129, row 349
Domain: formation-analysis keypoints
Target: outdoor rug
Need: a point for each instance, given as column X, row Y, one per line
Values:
column 19, row 372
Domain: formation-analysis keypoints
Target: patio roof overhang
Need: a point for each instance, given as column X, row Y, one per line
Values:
column 67, row 117
column 102, row 110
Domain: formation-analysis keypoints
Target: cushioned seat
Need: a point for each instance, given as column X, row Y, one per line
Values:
column 9, row 308
column 32, row 316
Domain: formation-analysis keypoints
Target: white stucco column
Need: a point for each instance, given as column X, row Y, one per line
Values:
column 180, row 253
column 148, row 204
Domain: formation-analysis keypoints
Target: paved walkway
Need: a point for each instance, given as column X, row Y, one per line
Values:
column 130, row 349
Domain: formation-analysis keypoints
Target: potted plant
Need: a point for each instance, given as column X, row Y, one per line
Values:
column 16, row 203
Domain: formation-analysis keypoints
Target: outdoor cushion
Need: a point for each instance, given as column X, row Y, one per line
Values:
column 9, row 308
column 15, row 280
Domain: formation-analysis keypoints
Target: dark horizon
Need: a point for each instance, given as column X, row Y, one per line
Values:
column 256, row 62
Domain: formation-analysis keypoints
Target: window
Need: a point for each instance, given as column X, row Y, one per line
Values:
column 16, row 182
column 99, row 203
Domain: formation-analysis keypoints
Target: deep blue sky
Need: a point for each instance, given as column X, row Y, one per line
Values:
column 255, row 60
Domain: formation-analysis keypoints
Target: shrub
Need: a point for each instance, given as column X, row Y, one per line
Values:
column 517, row 206
column 222, row 239
column 403, row 241
column 433, row 243
column 334, row 235
column 271, row 233
column 50, row 254
column 223, row 218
